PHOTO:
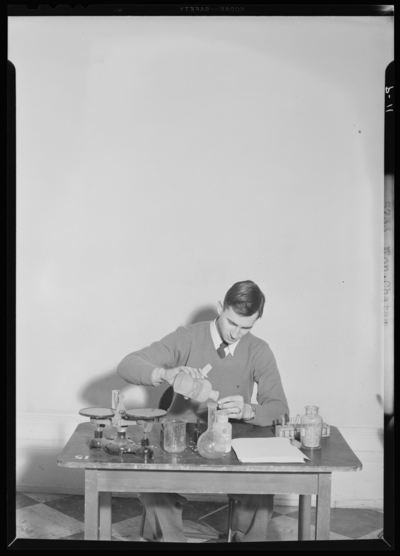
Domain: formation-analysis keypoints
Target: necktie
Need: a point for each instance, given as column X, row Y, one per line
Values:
column 221, row 350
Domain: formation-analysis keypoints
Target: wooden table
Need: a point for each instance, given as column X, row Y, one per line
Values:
column 189, row 473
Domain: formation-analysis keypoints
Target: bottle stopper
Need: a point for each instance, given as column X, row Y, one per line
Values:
column 206, row 369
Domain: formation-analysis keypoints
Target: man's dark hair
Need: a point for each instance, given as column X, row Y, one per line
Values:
column 245, row 298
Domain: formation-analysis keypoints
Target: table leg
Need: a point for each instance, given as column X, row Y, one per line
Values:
column 304, row 517
column 91, row 506
column 323, row 509
column 105, row 516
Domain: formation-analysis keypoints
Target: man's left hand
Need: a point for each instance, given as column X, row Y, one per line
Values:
column 234, row 405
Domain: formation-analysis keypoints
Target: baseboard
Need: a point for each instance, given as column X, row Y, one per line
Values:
column 44, row 489
column 357, row 503
column 218, row 498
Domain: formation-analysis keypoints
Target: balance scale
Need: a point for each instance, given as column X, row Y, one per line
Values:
column 121, row 418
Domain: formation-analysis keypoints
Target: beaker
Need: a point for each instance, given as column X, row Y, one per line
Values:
column 174, row 435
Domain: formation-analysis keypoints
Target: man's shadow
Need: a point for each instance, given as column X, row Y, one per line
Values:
column 97, row 392
column 206, row 313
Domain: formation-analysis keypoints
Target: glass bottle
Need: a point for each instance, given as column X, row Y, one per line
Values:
column 195, row 437
column 311, row 428
column 197, row 432
column 211, row 444
column 195, row 388
column 97, row 441
column 116, row 446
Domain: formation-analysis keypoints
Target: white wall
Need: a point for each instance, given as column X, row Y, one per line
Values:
column 162, row 159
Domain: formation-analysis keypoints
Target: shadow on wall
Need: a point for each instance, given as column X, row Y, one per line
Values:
column 38, row 468
column 97, row 393
column 206, row 313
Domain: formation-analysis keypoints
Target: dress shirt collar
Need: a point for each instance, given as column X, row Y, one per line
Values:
column 217, row 339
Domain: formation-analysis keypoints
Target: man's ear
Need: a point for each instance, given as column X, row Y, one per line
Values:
column 220, row 307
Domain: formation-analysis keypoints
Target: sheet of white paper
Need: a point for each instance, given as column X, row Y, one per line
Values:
column 268, row 450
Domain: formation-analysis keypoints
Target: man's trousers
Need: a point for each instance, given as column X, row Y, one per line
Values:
column 164, row 514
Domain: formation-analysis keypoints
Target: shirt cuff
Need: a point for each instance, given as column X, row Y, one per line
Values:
column 249, row 413
column 156, row 376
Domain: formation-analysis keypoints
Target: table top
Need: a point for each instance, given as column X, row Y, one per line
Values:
column 335, row 454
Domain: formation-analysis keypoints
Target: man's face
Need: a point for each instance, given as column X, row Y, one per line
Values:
column 232, row 326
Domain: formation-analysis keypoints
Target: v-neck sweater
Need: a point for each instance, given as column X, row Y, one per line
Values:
column 192, row 346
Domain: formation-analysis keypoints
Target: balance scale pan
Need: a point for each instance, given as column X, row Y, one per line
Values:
column 97, row 412
column 144, row 413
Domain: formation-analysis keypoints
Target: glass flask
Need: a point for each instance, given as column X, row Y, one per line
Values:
column 117, row 446
column 311, row 428
column 97, row 441
column 211, row 444
column 223, row 426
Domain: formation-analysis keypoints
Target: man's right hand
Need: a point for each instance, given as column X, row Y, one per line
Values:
column 168, row 375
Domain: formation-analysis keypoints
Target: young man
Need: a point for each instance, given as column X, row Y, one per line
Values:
column 238, row 359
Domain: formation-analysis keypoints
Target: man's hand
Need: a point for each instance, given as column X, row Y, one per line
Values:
column 168, row 375
column 235, row 405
